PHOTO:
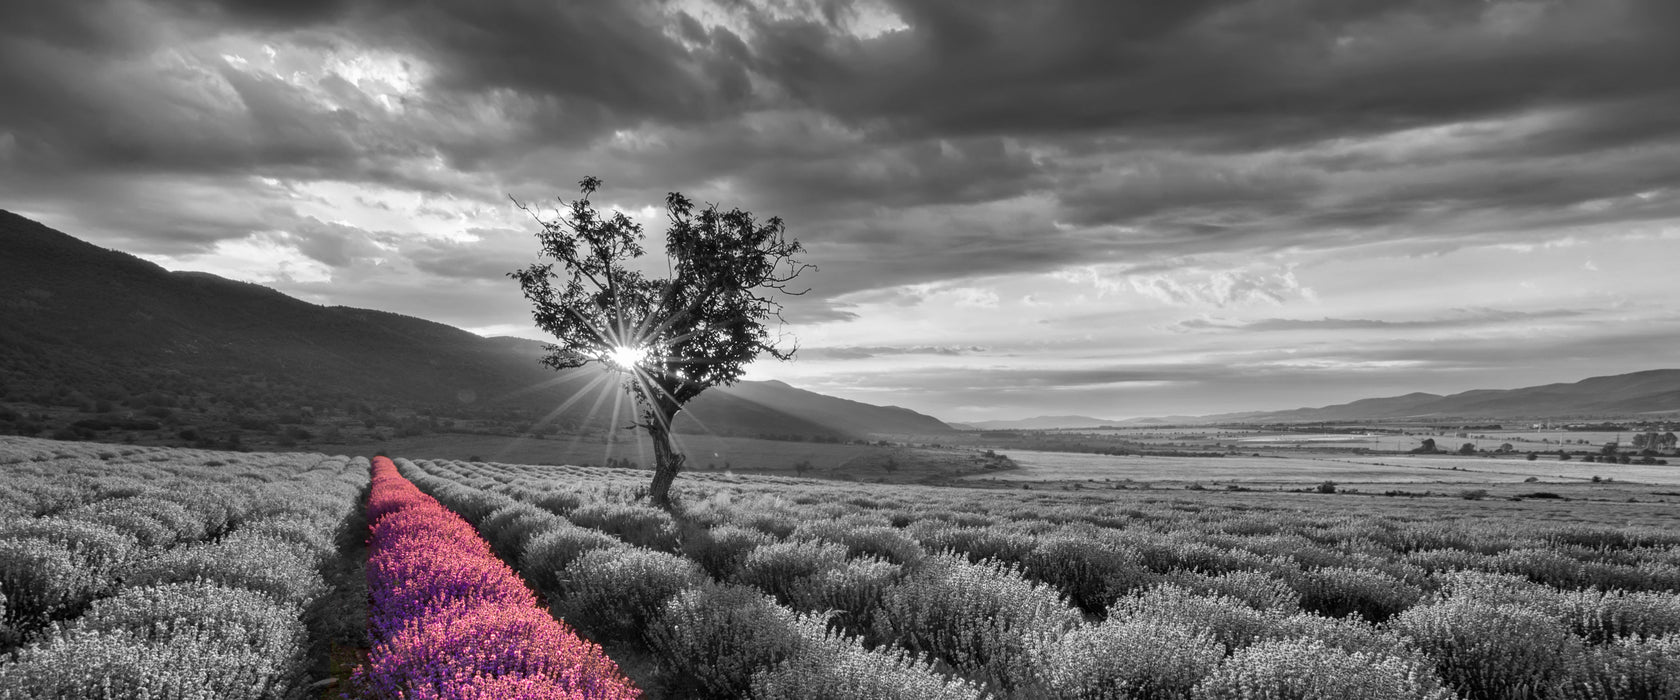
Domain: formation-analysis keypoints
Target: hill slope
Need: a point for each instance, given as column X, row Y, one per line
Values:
column 77, row 320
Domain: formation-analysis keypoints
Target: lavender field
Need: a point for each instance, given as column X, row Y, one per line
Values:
column 139, row 572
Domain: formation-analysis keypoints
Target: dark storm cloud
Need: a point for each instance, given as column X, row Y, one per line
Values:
column 274, row 14
column 984, row 138
column 1228, row 72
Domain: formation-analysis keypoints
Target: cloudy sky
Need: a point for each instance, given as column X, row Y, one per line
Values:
column 1105, row 207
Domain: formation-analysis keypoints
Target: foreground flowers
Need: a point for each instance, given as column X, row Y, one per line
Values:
column 447, row 619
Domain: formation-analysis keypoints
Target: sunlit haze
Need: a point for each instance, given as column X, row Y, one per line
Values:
column 1113, row 209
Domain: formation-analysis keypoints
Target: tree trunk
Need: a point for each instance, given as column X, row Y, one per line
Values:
column 667, row 461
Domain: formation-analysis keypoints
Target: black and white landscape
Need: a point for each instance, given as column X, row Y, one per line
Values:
column 1196, row 350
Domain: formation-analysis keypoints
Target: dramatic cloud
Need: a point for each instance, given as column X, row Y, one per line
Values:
column 1035, row 196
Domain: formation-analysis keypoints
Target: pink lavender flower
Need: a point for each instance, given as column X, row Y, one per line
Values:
column 450, row 620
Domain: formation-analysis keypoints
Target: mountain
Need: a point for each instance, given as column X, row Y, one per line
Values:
column 80, row 325
column 1622, row 395
column 843, row 415
column 1043, row 423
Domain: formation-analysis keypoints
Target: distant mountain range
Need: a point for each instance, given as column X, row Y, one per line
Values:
column 1042, row 423
column 1649, row 392
column 79, row 320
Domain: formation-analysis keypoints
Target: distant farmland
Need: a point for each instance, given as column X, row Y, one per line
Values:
column 1311, row 468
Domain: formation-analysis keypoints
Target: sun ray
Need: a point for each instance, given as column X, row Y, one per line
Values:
column 602, row 390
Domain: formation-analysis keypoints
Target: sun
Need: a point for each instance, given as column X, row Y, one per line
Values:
column 625, row 357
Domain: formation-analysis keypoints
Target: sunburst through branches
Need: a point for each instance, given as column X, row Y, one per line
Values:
column 669, row 339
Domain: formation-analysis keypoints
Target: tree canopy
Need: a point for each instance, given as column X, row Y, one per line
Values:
column 672, row 337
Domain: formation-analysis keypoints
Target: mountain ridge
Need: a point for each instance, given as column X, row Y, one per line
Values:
column 1634, row 393
column 79, row 320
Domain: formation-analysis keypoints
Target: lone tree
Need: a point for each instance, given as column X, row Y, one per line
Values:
column 669, row 338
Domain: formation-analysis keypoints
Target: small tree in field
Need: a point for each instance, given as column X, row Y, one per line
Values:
column 670, row 338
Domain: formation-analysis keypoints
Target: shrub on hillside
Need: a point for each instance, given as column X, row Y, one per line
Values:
column 1541, row 566
column 722, row 549
column 1091, row 573
column 639, row 525
column 307, row 536
column 547, row 554
column 40, row 578
column 1231, row 622
column 1445, row 560
column 1311, row 670
column 1260, row 590
column 851, row 592
column 1180, row 552
column 832, row 666
column 559, row 502
column 985, row 619
column 1351, row 634
column 1371, row 594
column 1121, row 659
column 1496, row 651
column 205, row 610
column 781, row 568
column 612, row 594
column 864, row 540
column 1605, row 616
column 154, row 522
column 473, row 505
column 255, row 562
column 721, row 635
column 510, row 528
column 977, row 544
column 98, row 546
column 1635, row 667
column 123, row 664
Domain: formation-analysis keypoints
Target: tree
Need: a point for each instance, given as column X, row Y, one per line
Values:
column 670, row 339
column 1428, row 446
column 1468, row 448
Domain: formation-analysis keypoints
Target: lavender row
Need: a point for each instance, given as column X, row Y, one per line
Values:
column 210, row 605
column 720, row 639
column 448, row 620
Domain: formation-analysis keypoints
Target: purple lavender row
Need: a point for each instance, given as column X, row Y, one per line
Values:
column 447, row 619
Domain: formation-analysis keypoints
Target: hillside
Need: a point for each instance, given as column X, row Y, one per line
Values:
column 81, row 325
column 1623, row 395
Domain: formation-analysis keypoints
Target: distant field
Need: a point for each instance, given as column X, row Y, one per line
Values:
column 1341, row 468
column 705, row 453
column 1524, row 439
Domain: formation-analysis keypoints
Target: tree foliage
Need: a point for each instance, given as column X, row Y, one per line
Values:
column 671, row 337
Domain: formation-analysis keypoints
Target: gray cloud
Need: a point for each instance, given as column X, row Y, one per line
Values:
column 864, row 352
column 1465, row 318
column 1194, row 126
